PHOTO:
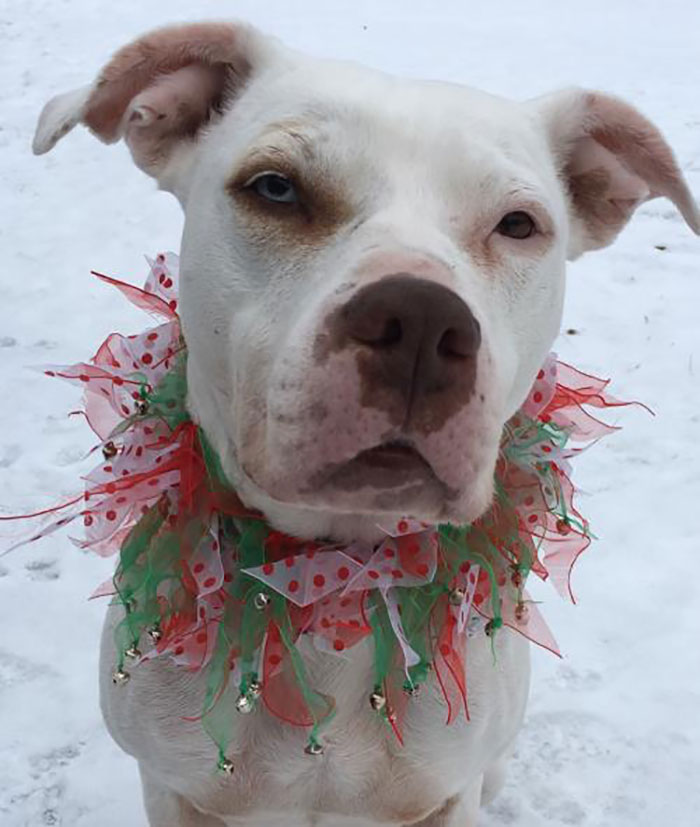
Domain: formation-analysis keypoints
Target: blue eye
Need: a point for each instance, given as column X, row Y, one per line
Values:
column 273, row 187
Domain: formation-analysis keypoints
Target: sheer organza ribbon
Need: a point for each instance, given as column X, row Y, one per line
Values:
column 207, row 583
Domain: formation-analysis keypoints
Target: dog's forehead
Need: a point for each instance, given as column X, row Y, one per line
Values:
column 347, row 105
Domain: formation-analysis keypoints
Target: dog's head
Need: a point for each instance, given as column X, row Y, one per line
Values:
column 372, row 268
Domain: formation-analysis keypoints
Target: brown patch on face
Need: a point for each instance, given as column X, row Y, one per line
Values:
column 323, row 205
column 317, row 412
column 477, row 242
column 490, row 250
column 415, row 344
column 385, row 389
column 425, row 407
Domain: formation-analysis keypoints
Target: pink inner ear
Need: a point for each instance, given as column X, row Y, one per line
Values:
column 140, row 64
column 182, row 98
column 588, row 155
column 172, row 108
column 640, row 154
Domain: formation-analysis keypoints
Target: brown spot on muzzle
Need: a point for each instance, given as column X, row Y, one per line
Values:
column 416, row 344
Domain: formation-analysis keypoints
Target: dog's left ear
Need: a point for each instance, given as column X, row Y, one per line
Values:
column 612, row 159
column 160, row 92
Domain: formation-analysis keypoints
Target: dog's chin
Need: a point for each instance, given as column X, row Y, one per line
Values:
column 390, row 478
column 351, row 499
column 386, row 466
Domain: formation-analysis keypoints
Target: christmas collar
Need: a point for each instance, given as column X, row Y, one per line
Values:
column 210, row 585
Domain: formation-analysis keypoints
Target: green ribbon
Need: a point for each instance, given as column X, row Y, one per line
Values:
column 149, row 582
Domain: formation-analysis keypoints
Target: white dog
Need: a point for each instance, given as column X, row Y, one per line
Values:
column 332, row 210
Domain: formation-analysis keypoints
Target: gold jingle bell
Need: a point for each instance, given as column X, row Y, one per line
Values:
column 563, row 527
column 522, row 613
column 226, row 766
column 261, row 601
column 133, row 653
column 313, row 748
column 109, row 450
column 244, row 704
column 456, row 596
column 377, row 701
column 120, row 677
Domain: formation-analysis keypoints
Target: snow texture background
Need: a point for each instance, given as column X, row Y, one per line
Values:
column 613, row 731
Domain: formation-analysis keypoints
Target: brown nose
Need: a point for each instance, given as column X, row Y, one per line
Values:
column 416, row 336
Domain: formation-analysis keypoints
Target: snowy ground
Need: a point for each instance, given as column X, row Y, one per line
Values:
column 613, row 732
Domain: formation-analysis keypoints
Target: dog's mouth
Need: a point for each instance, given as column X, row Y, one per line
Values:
column 389, row 465
column 397, row 455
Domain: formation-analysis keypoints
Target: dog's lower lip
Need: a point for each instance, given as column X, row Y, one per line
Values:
column 393, row 455
column 391, row 465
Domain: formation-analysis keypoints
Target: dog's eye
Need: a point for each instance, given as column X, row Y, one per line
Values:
column 274, row 187
column 516, row 225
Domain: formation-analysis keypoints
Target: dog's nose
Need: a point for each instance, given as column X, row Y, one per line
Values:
column 415, row 335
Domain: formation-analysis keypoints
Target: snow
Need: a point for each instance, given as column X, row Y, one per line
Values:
column 613, row 731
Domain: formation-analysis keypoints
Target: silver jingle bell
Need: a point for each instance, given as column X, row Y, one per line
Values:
column 261, row 601
column 412, row 690
column 133, row 653
column 226, row 766
column 314, row 748
column 255, row 689
column 155, row 634
column 244, row 704
column 141, row 407
column 377, row 701
column 120, row 677
column 456, row 596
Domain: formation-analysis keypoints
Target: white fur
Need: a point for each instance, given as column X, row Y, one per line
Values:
column 60, row 115
column 426, row 171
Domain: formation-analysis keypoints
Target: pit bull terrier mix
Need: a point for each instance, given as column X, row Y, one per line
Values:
column 372, row 275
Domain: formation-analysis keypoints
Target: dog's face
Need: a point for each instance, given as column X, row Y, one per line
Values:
column 372, row 275
column 372, row 268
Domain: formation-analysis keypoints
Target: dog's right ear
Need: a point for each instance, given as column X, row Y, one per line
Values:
column 611, row 160
column 159, row 92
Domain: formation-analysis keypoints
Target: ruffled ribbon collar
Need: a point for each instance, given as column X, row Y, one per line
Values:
column 210, row 585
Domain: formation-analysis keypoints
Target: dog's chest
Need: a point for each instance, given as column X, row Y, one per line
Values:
column 364, row 777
